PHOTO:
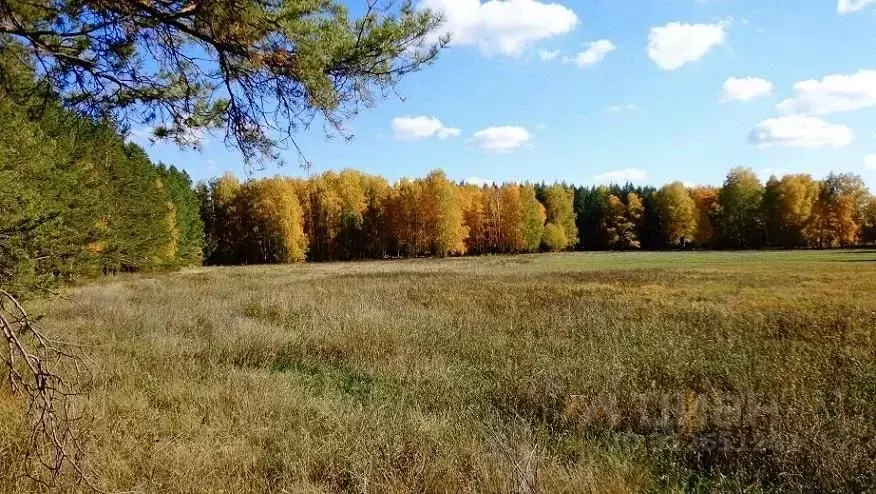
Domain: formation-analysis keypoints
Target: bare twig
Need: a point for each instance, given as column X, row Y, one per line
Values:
column 33, row 363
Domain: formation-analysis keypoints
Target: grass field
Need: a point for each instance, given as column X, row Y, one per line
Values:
column 570, row 373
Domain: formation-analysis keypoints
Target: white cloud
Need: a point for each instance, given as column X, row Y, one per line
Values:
column 622, row 176
column 500, row 139
column 800, row 132
column 852, row 6
column 502, row 26
column 676, row 44
column 593, row 54
column 413, row 128
column 745, row 89
column 870, row 162
column 546, row 55
column 448, row 133
column 623, row 108
column 834, row 93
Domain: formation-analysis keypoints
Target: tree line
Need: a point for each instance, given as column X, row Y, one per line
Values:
column 794, row 211
column 76, row 200
column 351, row 215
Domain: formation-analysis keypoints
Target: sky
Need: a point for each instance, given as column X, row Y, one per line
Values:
column 598, row 91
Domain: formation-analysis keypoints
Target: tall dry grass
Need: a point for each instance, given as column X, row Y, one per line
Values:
column 566, row 373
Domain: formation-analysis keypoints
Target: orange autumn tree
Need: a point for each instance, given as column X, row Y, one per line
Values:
column 471, row 198
column 278, row 220
column 559, row 204
column 636, row 217
column 494, row 209
column 445, row 229
column 678, row 213
column 705, row 199
column 533, row 218
column 376, row 222
column 511, row 219
column 836, row 217
column 788, row 206
column 621, row 221
column 407, row 219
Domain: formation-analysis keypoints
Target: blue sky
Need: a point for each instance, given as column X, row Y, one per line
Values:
column 601, row 90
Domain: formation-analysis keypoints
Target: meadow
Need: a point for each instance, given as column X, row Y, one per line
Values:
column 556, row 373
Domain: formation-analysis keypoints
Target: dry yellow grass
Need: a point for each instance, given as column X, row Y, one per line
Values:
column 557, row 373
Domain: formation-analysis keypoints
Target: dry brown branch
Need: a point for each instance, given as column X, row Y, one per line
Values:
column 35, row 366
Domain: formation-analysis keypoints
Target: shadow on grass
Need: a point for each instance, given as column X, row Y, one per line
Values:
column 858, row 254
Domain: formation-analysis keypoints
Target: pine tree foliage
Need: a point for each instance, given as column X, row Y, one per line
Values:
column 259, row 70
column 77, row 200
column 739, row 212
